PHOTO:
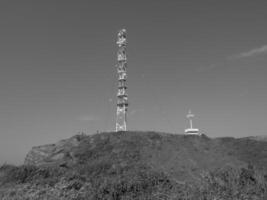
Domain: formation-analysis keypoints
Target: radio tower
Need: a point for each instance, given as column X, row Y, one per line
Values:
column 122, row 97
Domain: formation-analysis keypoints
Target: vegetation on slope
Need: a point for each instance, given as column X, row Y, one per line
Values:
column 142, row 165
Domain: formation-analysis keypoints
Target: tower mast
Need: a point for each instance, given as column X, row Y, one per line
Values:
column 122, row 97
column 190, row 117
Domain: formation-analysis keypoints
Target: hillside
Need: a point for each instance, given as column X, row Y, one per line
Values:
column 258, row 138
column 141, row 165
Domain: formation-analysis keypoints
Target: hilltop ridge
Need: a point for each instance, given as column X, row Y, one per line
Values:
column 181, row 156
column 140, row 165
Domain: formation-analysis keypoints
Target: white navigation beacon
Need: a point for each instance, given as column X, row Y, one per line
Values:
column 191, row 130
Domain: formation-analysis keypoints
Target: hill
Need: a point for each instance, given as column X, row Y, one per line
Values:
column 258, row 138
column 141, row 165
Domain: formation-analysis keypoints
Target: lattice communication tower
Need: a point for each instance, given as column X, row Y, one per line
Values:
column 122, row 97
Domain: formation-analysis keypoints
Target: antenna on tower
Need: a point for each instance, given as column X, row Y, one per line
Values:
column 122, row 97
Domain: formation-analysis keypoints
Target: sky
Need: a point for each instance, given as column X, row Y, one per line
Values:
column 58, row 74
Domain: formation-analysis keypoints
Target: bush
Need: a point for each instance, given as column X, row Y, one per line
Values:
column 245, row 183
column 30, row 173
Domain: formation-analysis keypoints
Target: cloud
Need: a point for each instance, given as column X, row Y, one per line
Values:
column 88, row 118
column 134, row 111
column 253, row 52
column 206, row 68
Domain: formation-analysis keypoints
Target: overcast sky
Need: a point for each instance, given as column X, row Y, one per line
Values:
column 58, row 75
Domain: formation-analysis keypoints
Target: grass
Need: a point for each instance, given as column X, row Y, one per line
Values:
column 144, row 165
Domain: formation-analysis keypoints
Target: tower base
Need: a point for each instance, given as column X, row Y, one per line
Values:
column 192, row 131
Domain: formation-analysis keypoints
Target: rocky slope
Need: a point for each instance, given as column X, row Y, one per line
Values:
column 53, row 154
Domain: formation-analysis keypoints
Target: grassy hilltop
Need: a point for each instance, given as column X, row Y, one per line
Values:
column 140, row 165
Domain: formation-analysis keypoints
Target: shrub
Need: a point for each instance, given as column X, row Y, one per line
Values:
column 30, row 173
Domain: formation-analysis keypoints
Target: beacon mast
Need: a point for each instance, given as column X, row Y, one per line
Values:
column 122, row 97
column 191, row 130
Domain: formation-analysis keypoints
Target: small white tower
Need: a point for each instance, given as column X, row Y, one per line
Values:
column 191, row 130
